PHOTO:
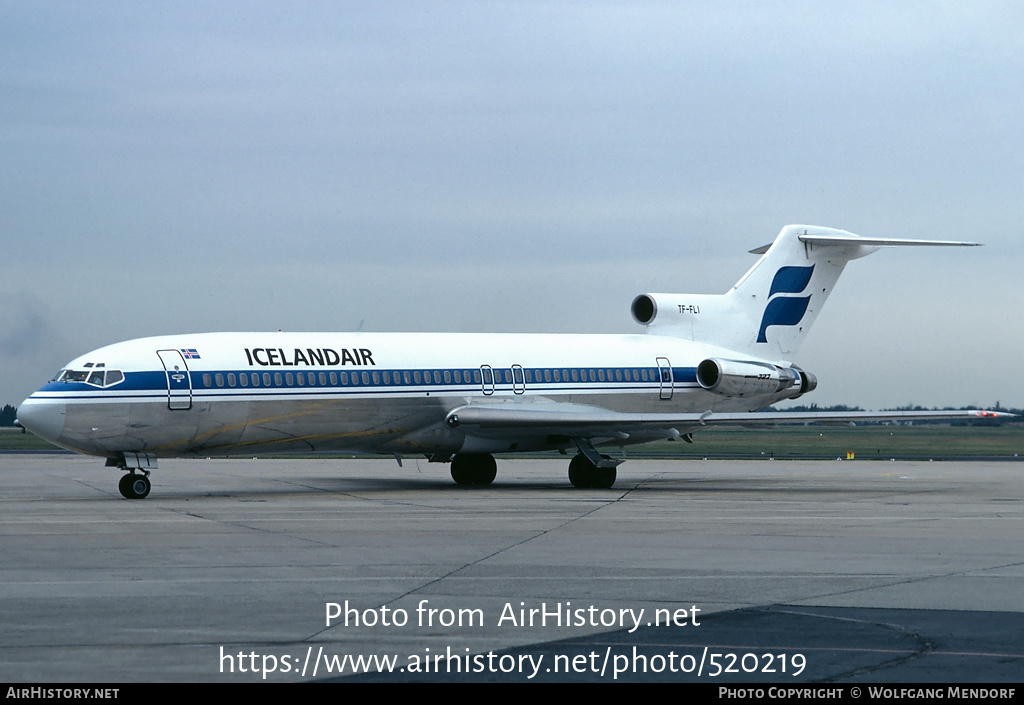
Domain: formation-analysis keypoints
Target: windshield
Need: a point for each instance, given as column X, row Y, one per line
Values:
column 98, row 378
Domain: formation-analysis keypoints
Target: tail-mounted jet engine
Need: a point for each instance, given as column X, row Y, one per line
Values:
column 735, row 378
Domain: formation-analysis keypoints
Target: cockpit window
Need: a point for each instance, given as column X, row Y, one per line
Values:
column 94, row 376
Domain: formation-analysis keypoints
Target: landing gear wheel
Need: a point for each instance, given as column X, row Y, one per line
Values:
column 603, row 478
column 579, row 471
column 584, row 474
column 474, row 469
column 134, row 486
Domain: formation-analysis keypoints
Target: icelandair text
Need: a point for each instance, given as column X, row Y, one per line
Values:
column 309, row 357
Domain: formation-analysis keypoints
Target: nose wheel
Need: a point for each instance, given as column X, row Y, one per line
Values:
column 134, row 486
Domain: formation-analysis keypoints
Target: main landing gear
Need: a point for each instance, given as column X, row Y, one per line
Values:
column 479, row 469
column 134, row 486
column 474, row 469
column 583, row 473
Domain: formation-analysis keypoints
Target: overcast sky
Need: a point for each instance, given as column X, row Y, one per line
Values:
column 483, row 166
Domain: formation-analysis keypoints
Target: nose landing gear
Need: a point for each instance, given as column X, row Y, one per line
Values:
column 134, row 486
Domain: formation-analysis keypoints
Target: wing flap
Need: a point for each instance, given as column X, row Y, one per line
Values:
column 586, row 422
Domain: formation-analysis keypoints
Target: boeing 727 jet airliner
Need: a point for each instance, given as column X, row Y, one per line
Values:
column 704, row 360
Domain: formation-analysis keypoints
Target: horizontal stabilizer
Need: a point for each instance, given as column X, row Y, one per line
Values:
column 875, row 242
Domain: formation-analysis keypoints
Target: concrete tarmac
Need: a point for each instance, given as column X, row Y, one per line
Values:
column 771, row 571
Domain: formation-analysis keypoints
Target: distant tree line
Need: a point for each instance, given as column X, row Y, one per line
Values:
column 8, row 415
column 913, row 407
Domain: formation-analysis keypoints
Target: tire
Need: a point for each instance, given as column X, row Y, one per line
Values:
column 134, row 486
column 462, row 471
column 580, row 472
column 124, row 486
column 474, row 469
column 584, row 474
column 603, row 478
column 485, row 471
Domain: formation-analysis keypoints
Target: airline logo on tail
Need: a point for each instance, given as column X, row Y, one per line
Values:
column 786, row 310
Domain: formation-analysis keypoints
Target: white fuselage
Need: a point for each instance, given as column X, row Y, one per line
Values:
column 235, row 393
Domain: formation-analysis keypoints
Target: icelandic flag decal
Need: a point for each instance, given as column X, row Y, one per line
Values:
column 190, row 353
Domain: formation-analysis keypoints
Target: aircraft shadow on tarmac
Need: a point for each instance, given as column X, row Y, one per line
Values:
column 238, row 484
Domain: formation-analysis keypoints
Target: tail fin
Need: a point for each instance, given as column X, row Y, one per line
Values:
column 769, row 311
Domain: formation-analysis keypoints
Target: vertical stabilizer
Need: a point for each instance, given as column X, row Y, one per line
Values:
column 771, row 308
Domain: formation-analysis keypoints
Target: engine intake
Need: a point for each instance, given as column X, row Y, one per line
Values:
column 738, row 378
column 644, row 309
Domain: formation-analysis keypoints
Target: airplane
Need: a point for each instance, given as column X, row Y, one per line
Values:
column 704, row 360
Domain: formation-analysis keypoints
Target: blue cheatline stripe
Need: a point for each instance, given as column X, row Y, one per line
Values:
column 156, row 381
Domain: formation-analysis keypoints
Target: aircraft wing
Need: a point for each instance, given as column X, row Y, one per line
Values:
column 581, row 421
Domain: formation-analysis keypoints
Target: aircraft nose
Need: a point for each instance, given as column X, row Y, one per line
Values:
column 43, row 417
